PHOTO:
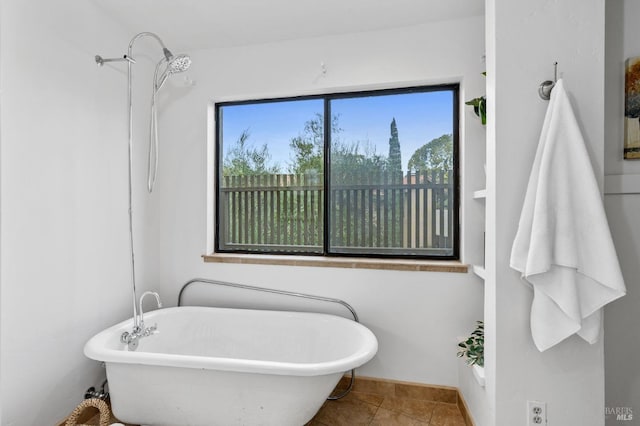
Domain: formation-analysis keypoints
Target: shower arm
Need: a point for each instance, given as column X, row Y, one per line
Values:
column 101, row 61
column 128, row 57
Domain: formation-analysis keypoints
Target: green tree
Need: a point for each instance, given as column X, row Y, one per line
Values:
column 436, row 155
column 395, row 156
column 356, row 159
column 244, row 160
column 308, row 147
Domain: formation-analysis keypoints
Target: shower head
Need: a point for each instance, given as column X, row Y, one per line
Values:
column 174, row 65
column 179, row 63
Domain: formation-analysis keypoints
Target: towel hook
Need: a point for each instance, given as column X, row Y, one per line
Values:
column 547, row 86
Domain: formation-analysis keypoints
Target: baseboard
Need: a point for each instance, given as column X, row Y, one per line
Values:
column 464, row 410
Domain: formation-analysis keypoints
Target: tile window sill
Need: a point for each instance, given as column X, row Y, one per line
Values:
column 333, row 262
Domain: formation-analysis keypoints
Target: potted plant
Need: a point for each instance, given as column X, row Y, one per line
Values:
column 472, row 348
column 479, row 106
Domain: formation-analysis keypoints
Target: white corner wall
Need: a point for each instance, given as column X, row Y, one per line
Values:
column 63, row 230
column 524, row 39
column 622, row 390
column 415, row 315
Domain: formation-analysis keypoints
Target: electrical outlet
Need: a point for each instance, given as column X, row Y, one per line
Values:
column 536, row 413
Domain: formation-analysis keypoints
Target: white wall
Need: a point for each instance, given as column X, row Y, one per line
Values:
column 63, row 244
column 622, row 317
column 475, row 396
column 415, row 315
column 622, row 388
column 524, row 39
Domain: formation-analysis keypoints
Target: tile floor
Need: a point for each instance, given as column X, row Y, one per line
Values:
column 361, row 408
column 382, row 403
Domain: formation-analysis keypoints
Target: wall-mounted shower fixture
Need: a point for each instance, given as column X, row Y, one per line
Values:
column 168, row 65
column 101, row 61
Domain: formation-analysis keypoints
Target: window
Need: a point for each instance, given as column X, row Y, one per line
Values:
column 352, row 174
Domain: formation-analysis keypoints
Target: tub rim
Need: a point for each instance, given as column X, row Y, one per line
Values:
column 98, row 348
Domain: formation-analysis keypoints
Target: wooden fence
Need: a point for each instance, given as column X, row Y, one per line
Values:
column 382, row 213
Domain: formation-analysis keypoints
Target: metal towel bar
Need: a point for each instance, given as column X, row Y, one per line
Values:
column 284, row 293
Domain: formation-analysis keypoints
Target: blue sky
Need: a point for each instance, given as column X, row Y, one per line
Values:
column 420, row 117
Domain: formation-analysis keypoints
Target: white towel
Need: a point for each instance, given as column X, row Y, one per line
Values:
column 563, row 246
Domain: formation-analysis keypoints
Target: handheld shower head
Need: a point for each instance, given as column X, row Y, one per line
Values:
column 179, row 63
column 175, row 64
column 172, row 65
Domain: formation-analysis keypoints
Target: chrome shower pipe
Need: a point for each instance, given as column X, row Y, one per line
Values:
column 165, row 51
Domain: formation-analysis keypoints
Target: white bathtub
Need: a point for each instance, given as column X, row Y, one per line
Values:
column 218, row 366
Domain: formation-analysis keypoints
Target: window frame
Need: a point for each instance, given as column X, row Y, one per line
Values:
column 326, row 99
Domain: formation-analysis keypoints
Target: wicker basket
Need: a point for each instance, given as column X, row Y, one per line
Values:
column 105, row 413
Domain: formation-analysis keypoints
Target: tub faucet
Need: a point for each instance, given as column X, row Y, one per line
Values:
column 139, row 330
column 141, row 321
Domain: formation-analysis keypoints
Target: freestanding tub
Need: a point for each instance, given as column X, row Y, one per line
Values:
column 220, row 366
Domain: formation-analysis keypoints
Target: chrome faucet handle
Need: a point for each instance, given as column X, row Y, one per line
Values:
column 131, row 339
column 133, row 343
column 150, row 330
